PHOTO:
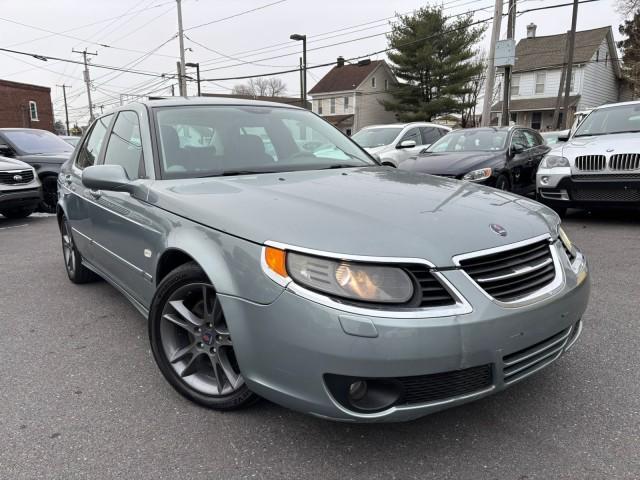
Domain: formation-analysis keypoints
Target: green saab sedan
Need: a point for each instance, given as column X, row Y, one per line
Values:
column 273, row 257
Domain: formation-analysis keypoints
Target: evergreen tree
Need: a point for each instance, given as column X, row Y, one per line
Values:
column 630, row 48
column 433, row 59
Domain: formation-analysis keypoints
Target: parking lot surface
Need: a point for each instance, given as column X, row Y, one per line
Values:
column 81, row 397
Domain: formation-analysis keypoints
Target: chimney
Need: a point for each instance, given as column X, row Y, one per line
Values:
column 340, row 61
column 531, row 30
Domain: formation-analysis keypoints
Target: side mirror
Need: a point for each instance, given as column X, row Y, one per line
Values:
column 6, row 150
column 407, row 144
column 107, row 177
column 564, row 137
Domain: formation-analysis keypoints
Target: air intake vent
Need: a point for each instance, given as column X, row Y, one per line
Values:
column 591, row 163
column 511, row 275
column 625, row 161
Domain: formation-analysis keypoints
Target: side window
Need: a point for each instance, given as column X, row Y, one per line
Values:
column 125, row 146
column 91, row 148
column 413, row 134
column 519, row 140
column 429, row 135
column 532, row 140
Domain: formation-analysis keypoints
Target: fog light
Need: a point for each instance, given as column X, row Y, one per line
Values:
column 544, row 180
column 357, row 390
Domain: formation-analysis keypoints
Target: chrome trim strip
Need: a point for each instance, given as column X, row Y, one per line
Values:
column 575, row 338
column 540, row 350
column 547, row 291
column 532, row 363
column 517, row 272
column 461, row 307
column 540, row 367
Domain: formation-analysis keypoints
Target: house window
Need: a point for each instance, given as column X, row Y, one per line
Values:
column 319, row 107
column 333, row 105
column 346, row 103
column 373, row 82
column 33, row 111
column 515, row 85
column 536, row 120
column 514, row 117
column 386, row 84
column 541, row 77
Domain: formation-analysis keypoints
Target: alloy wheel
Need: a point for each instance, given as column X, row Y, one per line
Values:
column 68, row 249
column 196, row 341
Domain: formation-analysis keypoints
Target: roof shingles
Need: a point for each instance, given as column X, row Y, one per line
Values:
column 345, row 78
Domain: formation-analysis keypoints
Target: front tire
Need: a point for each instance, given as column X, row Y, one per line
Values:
column 76, row 271
column 49, row 194
column 191, row 342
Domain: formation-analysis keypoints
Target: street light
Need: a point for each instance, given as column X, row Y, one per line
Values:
column 303, row 95
column 197, row 67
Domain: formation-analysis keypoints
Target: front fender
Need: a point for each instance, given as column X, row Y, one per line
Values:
column 231, row 263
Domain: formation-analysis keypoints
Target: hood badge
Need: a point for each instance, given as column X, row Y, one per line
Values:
column 498, row 229
column 610, row 150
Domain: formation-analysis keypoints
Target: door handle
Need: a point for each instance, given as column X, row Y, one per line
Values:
column 95, row 193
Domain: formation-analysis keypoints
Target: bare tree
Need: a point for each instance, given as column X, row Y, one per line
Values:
column 627, row 7
column 470, row 97
column 261, row 87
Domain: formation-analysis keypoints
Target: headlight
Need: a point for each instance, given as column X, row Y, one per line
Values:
column 565, row 241
column 554, row 161
column 356, row 281
column 478, row 175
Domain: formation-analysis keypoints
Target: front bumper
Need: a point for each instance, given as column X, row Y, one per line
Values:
column 286, row 349
column 24, row 198
column 558, row 187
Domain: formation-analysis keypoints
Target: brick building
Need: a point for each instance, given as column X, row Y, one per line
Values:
column 25, row 106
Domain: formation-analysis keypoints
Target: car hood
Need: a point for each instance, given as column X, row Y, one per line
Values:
column 599, row 145
column 450, row 163
column 13, row 164
column 373, row 211
column 58, row 158
column 374, row 150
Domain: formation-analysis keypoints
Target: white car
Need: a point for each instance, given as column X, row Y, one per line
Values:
column 20, row 189
column 394, row 143
column 600, row 164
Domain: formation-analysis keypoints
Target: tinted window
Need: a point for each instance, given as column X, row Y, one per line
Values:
column 250, row 140
column 125, row 147
column 413, row 134
column 91, row 148
column 519, row 140
column 471, row 141
column 36, row 141
column 532, row 139
column 429, row 135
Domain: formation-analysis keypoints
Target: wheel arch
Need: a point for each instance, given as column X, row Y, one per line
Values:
column 171, row 259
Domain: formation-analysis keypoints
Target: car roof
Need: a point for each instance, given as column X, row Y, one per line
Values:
column 187, row 101
column 404, row 125
column 619, row 104
column 13, row 129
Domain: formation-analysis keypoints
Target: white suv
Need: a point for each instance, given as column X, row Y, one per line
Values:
column 20, row 189
column 394, row 143
column 600, row 164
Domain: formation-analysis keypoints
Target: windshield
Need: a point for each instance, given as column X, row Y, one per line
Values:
column 470, row 141
column 203, row 141
column 31, row 142
column 376, row 137
column 605, row 121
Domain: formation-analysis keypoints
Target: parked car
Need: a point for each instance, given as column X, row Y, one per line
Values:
column 393, row 144
column 41, row 149
column 502, row 157
column 555, row 137
column 336, row 287
column 599, row 166
column 71, row 139
column 20, row 191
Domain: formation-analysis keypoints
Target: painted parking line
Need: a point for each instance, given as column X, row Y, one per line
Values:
column 14, row 226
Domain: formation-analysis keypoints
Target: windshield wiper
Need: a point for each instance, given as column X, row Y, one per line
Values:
column 342, row 165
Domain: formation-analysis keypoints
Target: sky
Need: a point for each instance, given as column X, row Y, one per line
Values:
column 141, row 35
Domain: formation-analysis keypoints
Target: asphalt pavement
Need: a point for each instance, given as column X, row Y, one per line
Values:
column 81, row 397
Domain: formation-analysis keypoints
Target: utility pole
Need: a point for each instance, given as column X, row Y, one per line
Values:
column 491, row 70
column 181, row 69
column 87, row 79
column 555, row 123
column 567, row 88
column 197, row 67
column 301, row 86
column 303, row 70
column 511, row 27
column 66, row 110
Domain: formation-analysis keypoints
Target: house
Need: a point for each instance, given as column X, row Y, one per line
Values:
column 596, row 77
column 349, row 95
column 25, row 106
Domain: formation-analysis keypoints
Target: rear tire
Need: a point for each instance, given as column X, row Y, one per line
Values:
column 16, row 213
column 76, row 271
column 191, row 343
column 49, row 194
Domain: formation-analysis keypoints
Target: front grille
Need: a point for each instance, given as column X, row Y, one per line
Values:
column 524, row 362
column 16, row 177
column 432, row 293
column 440, row 386
column 606, row 194
column 510, row 275
column 591, row 163
column 609, row 176
column 624, row 161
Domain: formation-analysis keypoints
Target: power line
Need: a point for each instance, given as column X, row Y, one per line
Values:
column 235, row 15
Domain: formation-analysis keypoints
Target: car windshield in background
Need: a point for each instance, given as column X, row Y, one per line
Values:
column 606, row 121
column 470, row 141
column 31, row 142
column 201, row 141
column 376, row 137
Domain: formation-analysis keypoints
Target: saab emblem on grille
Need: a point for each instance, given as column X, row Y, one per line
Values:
column 499, row 229
column 17, row 178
